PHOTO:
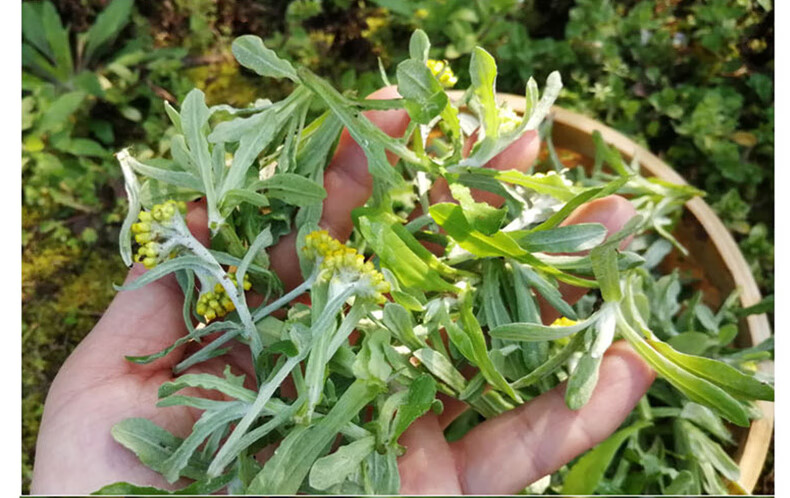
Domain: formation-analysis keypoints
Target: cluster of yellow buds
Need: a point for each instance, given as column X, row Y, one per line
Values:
column 147, row 233
column 345, row 262
column 216, row 303
column 443, row 72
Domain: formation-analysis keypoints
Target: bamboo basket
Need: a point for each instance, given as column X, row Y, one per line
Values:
column 714, row 257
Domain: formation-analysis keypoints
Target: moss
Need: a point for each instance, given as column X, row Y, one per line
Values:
column 65, row 292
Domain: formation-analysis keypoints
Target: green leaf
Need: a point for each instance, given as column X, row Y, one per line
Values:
column 370, row 137
column 534, row 332
column 154, row 445
column 293, row 189
column 579, row 199
column 231, row 385
column 419, row 398
column 401, row 325
column 419, row 45
column 552, row 364
column 441, row 367
column 371, row 364
column 545, row 288
column 203, row 487
column 60, row 111
column 425, row 96
column 695, row 388
column 585, row 475
column 482, row 70
column 480, row 356
column 58, row 38
column 571, row 238
column 210, row 421
column 732, row 380
column 285, row 471
column 550, row 184
column 682, row 484
column 107, row 26
column 381, row 474
column 251, row 53
column 604, row 265
column 705, row 449
column 33, row 28
column 334, row 468
column 395, row 248
column 480, row 215
column 582, row 381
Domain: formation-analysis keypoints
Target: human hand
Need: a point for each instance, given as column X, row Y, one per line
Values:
column 97, row 388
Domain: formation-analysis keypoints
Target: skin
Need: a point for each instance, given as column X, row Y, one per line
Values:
column 97, row 388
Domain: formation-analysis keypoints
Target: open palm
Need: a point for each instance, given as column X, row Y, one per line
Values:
column 97, row 388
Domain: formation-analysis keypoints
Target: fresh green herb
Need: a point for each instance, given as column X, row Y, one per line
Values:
column 258, row 172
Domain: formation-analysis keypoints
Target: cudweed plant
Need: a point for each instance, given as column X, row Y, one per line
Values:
column 260, row 171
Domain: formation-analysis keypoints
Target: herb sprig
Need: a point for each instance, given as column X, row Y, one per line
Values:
column 260, row 171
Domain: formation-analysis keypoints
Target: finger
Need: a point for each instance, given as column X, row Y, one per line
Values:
column 519, row 155
column 348, row 185
column 428, row 467
column 507, row 453
column 613, row 212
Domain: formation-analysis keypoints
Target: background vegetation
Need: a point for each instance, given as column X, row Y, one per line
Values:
column 690, row 79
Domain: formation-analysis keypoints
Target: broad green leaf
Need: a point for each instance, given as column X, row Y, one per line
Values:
column 335, row 467
column 381, row 474
column 682, row 484
column 251, row 53
column 203, row 487
column 231, row 385
column 534, row 332
column 370, row 137
column 476, row 345
column 480, row 215
column 60, row 111
column 579, row 199
column 33, row 28
column 585, row 475
column 293, row 189
column 419, row 45
column 482, row 70
column 552, row 364
column 571, row 238
column 704, row 417
column 451, row 218
column 550, row 292
column 419, row 398
column 732, row 380
column 582, row 381
column 705, row 449
column 58, row 38
column 291, row 463
column 397, row 255
column 441, row 367
column 695, row 388
column 401, row 325
column 604, row 265
column 108, row 24
column 425, row 96
column 550, row 184
column 82, row 147
column 153, row 445
column 210, row 421
column 370, row 364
